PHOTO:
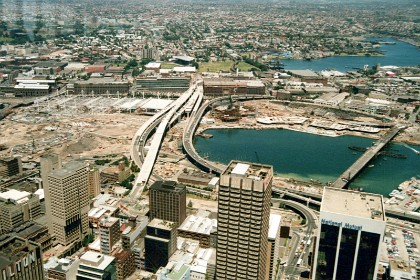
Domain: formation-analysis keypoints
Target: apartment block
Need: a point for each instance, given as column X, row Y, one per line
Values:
column 125, row 263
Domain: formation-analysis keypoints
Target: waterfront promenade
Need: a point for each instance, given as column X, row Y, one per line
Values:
column 344, row 179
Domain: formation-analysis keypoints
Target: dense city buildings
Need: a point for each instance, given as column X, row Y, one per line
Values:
column 69, row 204
column 199, row 228
column 20, row 259
column 167, row 201
column 34, row 232
column 16, row 208
column 352, row 227
column 243, row 221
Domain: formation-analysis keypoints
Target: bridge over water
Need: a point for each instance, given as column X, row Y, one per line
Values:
column 344, row 179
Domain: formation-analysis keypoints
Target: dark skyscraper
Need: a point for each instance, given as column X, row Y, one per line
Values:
column 352, row 226
column 168, row 201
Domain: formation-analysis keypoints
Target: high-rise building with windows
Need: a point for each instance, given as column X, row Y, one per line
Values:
column 352, row 226
column 167, row 201
column 16, row 208
column 69, row 203
column 20, row 258
column 109, row 229
column 273, row 245
column 10, row 167
column 243, row 221
column 159, row 244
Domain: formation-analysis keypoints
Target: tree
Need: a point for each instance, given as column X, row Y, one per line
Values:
column 195, row 64
column 190, row 204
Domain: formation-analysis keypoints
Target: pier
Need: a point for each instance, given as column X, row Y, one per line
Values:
column 344, row 179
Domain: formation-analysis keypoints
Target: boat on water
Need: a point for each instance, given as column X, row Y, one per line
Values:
column 357, row 148
column 394, row 193
column 371, row 165
column 394, row 155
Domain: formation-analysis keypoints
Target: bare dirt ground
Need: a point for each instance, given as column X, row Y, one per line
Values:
column 85, row 135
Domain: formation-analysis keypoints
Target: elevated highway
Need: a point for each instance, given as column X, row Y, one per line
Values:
column 191, row 128
column 161, row 122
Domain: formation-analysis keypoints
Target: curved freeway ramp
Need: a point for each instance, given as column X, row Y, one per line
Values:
column 191, row 128
column 165, row 117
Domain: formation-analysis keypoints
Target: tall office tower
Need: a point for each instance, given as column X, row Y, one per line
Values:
column 243, row 221
column 109, row 229
column 69, row 204
column 273, row 245
column 49, row 163
column 159, row 244
column 20, row 258
column 94, row 182
column 168, row 201
column 352, row 225
column 16, row 208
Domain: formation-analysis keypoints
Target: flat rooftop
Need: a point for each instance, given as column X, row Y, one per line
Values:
column 274, row 225
column 197, row 224
column 158, row 223
column 14, row 196
column 254, row 171
column 96, row 260
column 67, row 170
column 167, row 186
column 353, row 203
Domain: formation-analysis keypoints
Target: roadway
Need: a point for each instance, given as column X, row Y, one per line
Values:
column 190, row 129
column 311, row 217
column 165, row 117
column 361, row 162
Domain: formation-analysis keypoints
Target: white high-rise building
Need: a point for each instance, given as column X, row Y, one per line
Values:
column 243, row 221
column 352, row 226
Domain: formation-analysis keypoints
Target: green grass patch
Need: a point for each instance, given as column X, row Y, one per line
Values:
column 243, row 66
column 5, row 39
column 167, row 65
column 223, row 66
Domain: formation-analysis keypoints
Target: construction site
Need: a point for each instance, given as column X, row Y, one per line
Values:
column 75, row 126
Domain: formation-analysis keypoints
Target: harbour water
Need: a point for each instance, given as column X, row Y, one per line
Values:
column 398, row 54
column 305, row 156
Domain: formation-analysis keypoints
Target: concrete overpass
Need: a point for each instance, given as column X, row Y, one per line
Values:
column 191, row 128
column 161, row 122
